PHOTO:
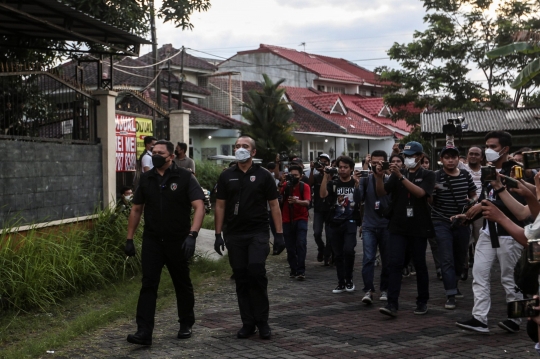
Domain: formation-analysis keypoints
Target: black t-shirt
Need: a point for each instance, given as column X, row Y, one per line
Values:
column 167, row 201
column 319, row 204
column 419, row 225
column 341, row 195
column 246, row 196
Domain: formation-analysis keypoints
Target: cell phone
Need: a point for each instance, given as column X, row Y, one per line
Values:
column 385, row 165
column 488, row 173
column 510, row 182
column 364, row 173
column 533, row 250
column 518, row 172
column 523, row 308
column 531, row 159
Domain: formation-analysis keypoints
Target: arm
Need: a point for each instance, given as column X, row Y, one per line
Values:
column 492, row 213
column 413, row 189
column 276, row 215
column 520, row 211
column 198, row 216
column 134, row 219
column 365, row 165
column 323, row 192
column 146, row 161
column 192, row 166
column 379, row 182
column 219, row 215
column 311, row 180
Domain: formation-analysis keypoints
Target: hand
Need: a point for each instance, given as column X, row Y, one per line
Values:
column 491, row 212
column 129, row 250
column 537, row 318
column 368, row 158
column 473, row 211
column 462, row 216
column 189, row 246
column 356, row 178
column 395, row 169
column 279, row 243
column 377, row 170
column 219, row 243
column 311, row 165
column 293, row 200
column 522, row 189
column 497, row 184
column 277, row 158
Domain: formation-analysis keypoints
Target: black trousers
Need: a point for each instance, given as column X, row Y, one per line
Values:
column 155, row 254
column 247, row 257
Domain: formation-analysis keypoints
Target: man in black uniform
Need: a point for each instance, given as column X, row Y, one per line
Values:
column 166, row 194
column 242, row 194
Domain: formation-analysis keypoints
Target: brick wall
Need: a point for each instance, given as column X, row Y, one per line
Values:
column 42, row 182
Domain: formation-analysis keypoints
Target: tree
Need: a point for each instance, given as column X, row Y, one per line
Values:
column 436, row 67
column 269, row 120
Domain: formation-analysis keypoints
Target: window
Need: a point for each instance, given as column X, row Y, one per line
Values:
column 336, row 89
column 315, row 149
column 320, row 88
column 354, row 151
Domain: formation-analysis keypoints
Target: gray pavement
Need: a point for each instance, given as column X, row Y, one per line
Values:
column 309, row 321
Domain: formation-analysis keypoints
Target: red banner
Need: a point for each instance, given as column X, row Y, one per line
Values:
column 126, row 143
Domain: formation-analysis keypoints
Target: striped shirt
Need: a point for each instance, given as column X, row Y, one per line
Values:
column 444, row 206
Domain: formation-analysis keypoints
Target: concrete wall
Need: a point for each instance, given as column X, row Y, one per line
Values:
column 274, row 66
column 42, row 182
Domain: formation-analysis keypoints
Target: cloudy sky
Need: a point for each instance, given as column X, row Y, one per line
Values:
column 356, row 30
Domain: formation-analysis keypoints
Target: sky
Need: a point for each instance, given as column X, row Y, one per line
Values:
column 356, row 30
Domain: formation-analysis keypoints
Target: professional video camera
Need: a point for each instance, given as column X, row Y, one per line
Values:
column 454, row 128
column 318, row 165
column 331, row 170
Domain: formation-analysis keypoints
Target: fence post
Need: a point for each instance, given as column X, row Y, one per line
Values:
column 106, row 132
column 179, row 126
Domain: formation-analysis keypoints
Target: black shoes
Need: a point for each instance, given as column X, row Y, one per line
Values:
column 246, row 331
column 473, row 324
column 264, row 330
column 320, row 256
column 509, row 326
column 421, row 309
column 141, row 338
column 185, row 331
column 389, row 310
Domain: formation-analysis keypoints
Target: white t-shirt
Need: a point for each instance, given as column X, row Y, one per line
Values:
column 476, row 177
column 146, row 161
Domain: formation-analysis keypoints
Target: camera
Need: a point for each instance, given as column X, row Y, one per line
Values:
column 511, row 182
column 455, row 126
column 531, row 159
column 331, row 170
column 385, row 165
column 318, row 165
column 488, row 173
column 523, row 308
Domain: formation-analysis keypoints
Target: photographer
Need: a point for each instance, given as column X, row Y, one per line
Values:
column 410, row 224
column 506, row 251
column 340, row 192
column 321, row 208
column 454, row 189
column 374, row 230
column 294, row 212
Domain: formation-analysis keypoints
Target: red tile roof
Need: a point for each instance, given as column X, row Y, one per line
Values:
column 357, row 122
column 325, row 102
column 190, row 61
column 350, row 67
column 311, row 62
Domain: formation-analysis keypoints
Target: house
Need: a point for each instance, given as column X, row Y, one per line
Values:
column 522, row 123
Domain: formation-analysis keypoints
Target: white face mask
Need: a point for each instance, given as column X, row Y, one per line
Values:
column 242, row 155
column 128, row 197
column 410, row 162
column 492, row 155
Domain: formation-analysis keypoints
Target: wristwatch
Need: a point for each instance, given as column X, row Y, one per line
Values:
column 401, row 178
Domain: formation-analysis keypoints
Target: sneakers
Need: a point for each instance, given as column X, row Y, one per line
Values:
column 384, row 295
column 292, row 275
column 412, row 270
column 301, row 276
column 368, row 298
column 473, row 324
column 349, row 286
column 339, row 289
column 509, row 325
column 405, row 272
column 459, row 295
column 421, row 309
column 439, row 274
column 389, row 310
column 450, row 302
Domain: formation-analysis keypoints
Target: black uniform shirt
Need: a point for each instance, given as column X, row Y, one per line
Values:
column 420, row 224
column 167, row 202
column 246, row 196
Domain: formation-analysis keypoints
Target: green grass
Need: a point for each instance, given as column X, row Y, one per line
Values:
column 31, row 334
column 208, row 221
column 208, row 173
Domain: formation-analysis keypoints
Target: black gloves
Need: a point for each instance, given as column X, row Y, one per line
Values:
column 279, row 243
column 129, row 250
column 189, row 246
column 219, row 243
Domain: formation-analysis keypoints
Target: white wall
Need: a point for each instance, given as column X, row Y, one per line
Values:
column 200, row 140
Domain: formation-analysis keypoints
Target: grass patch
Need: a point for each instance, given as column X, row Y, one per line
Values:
column 208, row 221
column 30, row 334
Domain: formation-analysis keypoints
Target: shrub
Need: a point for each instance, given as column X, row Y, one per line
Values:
column 208, row 173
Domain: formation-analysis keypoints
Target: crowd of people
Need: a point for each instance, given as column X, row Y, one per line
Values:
column 395, row 204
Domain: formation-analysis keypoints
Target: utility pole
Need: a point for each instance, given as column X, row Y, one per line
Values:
column 157, row 86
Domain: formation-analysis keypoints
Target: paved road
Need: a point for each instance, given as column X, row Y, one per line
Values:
column 309, row 321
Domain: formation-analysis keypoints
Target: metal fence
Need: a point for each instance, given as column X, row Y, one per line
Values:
column 41, row 106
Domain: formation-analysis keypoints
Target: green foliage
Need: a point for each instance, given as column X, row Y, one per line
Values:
column 45, row 266
column 436, row 66
column 269, row 120
column 208, row 173
column 208, row 221
column 416, row 135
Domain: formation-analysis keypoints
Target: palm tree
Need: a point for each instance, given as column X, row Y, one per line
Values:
column 269, row 116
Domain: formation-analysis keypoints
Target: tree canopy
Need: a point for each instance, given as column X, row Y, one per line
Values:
column 269, row 115
column 438, row 66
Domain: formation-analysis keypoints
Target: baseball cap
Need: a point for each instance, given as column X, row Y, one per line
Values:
column 412, row 148
column 325, row 156
column 449, row 149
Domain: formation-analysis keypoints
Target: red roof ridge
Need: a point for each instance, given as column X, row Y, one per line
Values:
column 215, row 113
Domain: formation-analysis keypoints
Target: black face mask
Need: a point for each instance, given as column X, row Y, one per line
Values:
column 158, row 161
column 295, row 180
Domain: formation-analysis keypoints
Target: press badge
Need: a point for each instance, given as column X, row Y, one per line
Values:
column 410, row 212
column 236, row 208
column 377, row 204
